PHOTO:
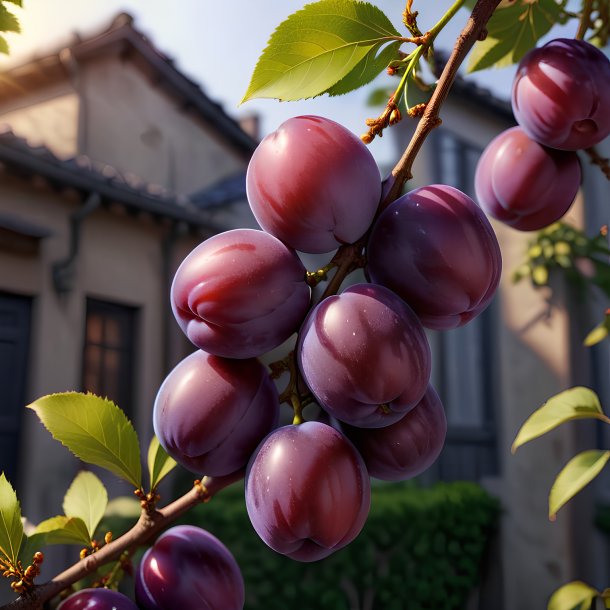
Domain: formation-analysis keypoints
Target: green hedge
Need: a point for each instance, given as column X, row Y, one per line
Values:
column 420, row 549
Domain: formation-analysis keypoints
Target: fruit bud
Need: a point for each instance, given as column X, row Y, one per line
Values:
column 395, row 116
column 38, row 557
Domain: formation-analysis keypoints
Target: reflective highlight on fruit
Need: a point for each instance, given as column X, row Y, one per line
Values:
column 408, row 447
column 189, row 569
column 561, row 94
column 435, row 249
column 307, row 491
column 210, row 413
column 365, row 356
column 313, row 184
column 524, row 184
column 239, row 294
column 97, row 599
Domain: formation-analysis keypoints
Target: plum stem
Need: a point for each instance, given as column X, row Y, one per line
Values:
column 585, row 20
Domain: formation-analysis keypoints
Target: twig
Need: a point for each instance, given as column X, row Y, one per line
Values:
column 147, row 526
column 602, row 162
column 430, row 119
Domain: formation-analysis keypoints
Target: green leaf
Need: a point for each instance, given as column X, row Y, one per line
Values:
column 11, row 527
column 366, row 70
column 17, row 2
column 512, row 32
column 95, row 430
column 577, row 473
column 8, row 21
column 159, row 463
column 318, row 46
column 62, row 530
column 4, row 48
column 576, row 593
column 86, row 499
column 575, row 403
column 31, row 544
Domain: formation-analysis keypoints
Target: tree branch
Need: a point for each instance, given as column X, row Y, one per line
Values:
column 147, row 526
column 430, row 119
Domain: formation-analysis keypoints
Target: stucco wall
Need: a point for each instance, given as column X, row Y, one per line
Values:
column 45, row 117
column 134, row 125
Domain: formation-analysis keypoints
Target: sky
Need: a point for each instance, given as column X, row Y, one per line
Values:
column 217, row 43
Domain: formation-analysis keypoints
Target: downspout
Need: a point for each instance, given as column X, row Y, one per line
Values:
column 63, row 270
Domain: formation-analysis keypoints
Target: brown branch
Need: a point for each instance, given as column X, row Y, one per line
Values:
column 430, row 119
column 147, row 526
column 602, row 162
column 585, row 20
column 349, row 257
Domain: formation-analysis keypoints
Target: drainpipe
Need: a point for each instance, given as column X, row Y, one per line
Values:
column 63, row 270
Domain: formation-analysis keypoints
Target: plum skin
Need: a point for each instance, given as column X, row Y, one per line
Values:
column 365, row 356
column 210, row 413
column 561, row 94
column 189, row 569
column 406, row 448
column 97, row 599
column 524, row 184
column 307, row 491
column 313, row 184
column 435, row 249
column 240, row 293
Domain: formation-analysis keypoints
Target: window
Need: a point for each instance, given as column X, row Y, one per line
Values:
column 15, row 313
column 108, row 358
column 465, row 358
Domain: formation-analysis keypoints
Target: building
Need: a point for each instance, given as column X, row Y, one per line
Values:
column 104, row 143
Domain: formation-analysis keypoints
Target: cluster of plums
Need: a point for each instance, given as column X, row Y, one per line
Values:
column 432, row 260
column 529, row 175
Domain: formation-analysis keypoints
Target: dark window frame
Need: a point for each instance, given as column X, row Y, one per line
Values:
column 125, row 319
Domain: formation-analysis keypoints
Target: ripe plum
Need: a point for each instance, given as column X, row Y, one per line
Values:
column 365, row 356
column 313, row 184
column 239, row 294
column 97, row 599
column 561, row 94
column 435, row 248
column 210, row 413
column 408, row 447
column 524, row 184
column 189, row 569
column 307, row 491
